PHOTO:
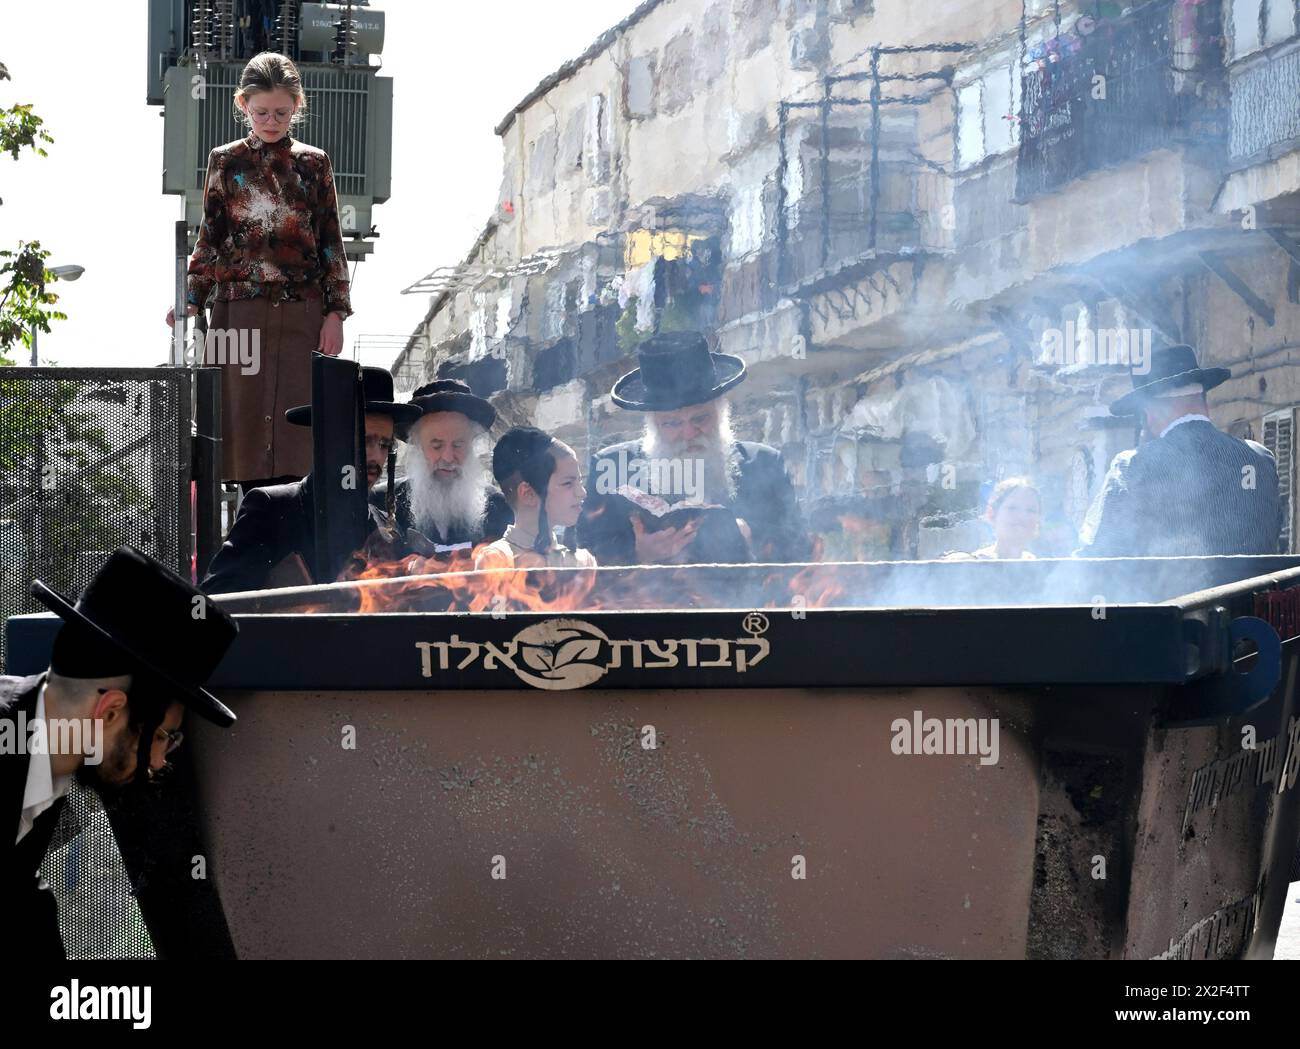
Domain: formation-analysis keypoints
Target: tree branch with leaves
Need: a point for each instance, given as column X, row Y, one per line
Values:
column 24, row 293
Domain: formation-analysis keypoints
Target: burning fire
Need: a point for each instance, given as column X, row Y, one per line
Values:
column 819, row 586
column 379, row 579
column 432, row 584
column 425, row 584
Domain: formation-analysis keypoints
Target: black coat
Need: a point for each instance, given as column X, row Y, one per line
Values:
column 272, row 523
column 1196, row 491
column 157, row 834
column 497, row 518
column 31, row 914
column 765, row 500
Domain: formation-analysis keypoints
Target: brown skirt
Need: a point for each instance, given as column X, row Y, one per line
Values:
column 278, row 338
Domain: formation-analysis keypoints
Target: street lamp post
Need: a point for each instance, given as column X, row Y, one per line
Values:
column 60, row 273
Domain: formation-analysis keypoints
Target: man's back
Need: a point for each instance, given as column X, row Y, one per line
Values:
column 1194, row 492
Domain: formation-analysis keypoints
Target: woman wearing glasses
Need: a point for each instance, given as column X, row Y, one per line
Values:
column 270, row 253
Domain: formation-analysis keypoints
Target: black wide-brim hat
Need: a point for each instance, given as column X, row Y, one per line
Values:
column 378, row 388
column 147, row 612
column 677, row 370
column 453, row 395
column 1171, row 367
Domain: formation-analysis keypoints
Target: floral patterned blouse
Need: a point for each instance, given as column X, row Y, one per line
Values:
column 270, row 226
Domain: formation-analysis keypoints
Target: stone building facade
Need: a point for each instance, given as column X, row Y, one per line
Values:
column 941, row 236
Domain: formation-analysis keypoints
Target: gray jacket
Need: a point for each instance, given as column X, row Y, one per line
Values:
column 1194, row 492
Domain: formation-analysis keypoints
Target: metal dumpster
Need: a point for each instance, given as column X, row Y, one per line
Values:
column 1044, row 759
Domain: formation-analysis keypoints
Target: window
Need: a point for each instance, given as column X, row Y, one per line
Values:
column 747, row 225
column 504, row 306
column 792, row 175
column 596, row 144
column 1257, row 24
column 1279, row 21
column 987, row 111
column 999, row 111
column 1079, row 485
column 1279, row 438
column 970, row 124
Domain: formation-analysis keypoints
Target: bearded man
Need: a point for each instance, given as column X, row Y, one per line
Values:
column 447, row 494
column 687, row 456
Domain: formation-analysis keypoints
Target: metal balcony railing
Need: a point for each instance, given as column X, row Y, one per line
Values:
column 1265, row 106
column 1131, row 85
column 852, row 178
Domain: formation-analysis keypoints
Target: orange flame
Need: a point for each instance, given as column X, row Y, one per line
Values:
column 818, row 585
column 384, row 582
column 423, row 584
column 454, row 585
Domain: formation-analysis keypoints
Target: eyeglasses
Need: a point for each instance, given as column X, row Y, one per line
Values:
column 261, row 116
column 173, row 740
column 385, row 444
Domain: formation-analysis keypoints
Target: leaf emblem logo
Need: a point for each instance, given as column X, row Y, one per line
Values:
column 561, row 654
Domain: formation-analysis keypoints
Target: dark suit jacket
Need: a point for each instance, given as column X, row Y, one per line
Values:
column 496, row 520
column 157, row 833
column 1196, row 491
column 31, row 914
column 272, row 523
column 764, row 499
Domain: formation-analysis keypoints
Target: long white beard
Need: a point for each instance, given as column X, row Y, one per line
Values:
column 439, row 507
column 719, row 461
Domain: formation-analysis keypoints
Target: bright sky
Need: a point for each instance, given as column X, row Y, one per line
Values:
column 96, row 200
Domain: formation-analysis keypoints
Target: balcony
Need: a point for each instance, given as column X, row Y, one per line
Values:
column 865, row 172
column 1150, row 80
column 1265, row 105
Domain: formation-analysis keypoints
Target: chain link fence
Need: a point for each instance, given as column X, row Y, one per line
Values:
column 90, row 460
column 98, row 913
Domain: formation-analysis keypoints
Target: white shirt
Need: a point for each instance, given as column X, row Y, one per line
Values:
column 1190, row 417
column 43, row 787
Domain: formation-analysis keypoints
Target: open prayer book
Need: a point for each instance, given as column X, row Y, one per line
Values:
column 718, row 539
